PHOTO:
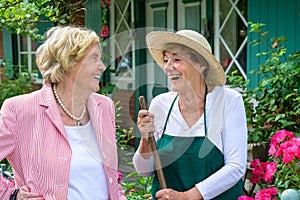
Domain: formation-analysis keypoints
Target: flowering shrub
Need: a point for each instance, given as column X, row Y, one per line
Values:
column 104, row 21
column 274, row 103
column 281, row 172
column 104, row 32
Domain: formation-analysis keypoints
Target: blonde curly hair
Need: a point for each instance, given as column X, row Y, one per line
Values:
column 63, row 48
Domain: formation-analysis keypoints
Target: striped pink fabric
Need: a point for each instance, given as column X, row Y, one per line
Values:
column 33, row 139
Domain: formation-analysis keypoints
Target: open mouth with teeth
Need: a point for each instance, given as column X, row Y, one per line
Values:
column 97, row 77
column 175, row 77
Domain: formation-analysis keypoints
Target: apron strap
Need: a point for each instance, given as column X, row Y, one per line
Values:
column 165, row 126
column 205, row 125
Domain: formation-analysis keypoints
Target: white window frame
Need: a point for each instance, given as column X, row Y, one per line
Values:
column 29, row 54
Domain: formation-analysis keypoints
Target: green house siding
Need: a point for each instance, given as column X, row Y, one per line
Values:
column 93, row 15
column 8, row 52
column 282, row 18
column 43, row 27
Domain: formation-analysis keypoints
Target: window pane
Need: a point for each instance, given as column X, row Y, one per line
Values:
column 23, row 43
column 33, row 45
column 33, row 64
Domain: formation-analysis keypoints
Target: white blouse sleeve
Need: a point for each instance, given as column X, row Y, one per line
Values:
column 234, row 147
column 143, row 166
column 159, row 108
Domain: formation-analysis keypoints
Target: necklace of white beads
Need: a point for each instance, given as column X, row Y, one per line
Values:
column 78, row 119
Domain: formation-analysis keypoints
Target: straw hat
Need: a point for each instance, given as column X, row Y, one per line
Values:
column 157, row 40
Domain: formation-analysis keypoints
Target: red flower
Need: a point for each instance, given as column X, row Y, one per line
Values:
column 284, row 149
column 254, row 163
column 105, row 2
column 262, row 171
column 245, row 198
column 104, row 32
column 266, row 194
column 119, row 176
column 270, row 171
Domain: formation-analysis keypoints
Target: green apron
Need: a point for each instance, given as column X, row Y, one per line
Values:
column 183, row 163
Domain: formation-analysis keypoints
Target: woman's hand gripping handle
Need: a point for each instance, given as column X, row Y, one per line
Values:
column 157, row 162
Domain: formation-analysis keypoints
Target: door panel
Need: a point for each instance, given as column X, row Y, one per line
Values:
column 159, row 16
column 231, row 35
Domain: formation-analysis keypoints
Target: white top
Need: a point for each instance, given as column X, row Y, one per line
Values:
column 225, row 115
column 87, row 175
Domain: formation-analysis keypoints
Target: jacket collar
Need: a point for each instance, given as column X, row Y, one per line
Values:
column 47, row 100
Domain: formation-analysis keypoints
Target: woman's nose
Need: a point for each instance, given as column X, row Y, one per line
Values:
column 101, row 66
column 169, row 69
column 169, row 62
column 169, row 65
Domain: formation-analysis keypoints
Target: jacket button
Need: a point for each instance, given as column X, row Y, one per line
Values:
column 110, row 180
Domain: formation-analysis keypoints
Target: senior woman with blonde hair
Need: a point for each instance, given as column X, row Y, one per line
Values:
column 60, row 140
column 200, row 125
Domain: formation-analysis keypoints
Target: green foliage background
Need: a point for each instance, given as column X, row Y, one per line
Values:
column 275, row 103
column 21, row 17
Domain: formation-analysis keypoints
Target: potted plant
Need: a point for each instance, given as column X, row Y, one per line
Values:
column 280, row 175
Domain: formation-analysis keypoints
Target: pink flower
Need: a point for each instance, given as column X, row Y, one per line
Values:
column 289, row 150
column 270, row 171
column 104, row 32
column 255, row 179
column 119, row 176
column 284, row 149
column 245, row 198
column 277, row 138
column 281, row 135
column 284, row 144
column 254, row 163
column 264, row 171
column 266, row 194
column 257, row 171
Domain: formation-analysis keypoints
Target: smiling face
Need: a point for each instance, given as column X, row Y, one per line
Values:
column 87, row 73
column 183, row 73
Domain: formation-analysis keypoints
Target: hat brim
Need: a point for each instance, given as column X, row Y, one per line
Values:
column 157, row 40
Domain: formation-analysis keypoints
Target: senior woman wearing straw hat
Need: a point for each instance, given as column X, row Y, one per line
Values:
column 199, row 126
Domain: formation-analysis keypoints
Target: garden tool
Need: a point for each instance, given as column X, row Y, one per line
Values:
column 157, row 162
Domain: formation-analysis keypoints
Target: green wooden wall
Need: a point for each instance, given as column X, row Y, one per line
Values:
column 93, row 15
column 282, row 18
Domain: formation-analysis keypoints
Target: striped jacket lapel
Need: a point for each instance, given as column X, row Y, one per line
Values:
column 47, row 100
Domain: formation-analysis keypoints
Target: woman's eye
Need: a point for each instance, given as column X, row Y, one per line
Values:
column 177, row 59
column 97, row 59
column 166, row 60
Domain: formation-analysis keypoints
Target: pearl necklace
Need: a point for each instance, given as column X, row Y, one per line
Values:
column 78, row 119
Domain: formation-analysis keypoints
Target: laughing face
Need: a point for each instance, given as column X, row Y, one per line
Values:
column 181, row 71
column 90, row 69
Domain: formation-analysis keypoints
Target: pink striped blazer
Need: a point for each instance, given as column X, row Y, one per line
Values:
column 33, row 139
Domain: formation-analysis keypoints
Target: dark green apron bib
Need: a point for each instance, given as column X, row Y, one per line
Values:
column 186, row 162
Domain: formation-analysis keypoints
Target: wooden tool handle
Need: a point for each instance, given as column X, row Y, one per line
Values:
column 157, row 162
